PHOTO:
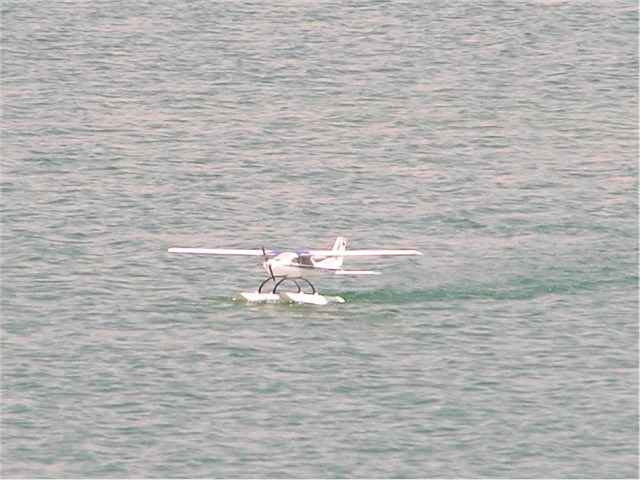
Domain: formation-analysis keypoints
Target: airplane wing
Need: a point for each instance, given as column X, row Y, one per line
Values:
column 311, row 253
column 355, row 272
column 221, row 251
column 363, row 253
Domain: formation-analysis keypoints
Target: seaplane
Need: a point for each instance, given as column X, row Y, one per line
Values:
column 288, row 269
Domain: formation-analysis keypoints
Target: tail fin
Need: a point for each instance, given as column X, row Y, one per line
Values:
column 334, row 262
column 340, row 245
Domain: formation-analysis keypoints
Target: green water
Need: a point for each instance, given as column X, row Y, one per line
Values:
column 500, row 140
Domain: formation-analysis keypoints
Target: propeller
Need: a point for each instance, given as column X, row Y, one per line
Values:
column 266, row 258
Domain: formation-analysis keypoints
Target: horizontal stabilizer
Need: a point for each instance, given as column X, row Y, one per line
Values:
column 356, row 272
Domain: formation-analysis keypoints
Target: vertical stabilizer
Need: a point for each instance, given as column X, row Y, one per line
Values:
column 334, row 262
column 340, row 245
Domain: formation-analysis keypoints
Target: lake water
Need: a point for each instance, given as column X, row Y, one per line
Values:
column 498, row 138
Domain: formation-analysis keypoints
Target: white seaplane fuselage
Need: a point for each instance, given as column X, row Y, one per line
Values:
column 292, row 265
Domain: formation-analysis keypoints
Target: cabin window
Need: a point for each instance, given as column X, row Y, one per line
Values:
column 305, row 260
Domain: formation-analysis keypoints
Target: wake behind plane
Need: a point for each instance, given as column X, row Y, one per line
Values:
column 292, row 267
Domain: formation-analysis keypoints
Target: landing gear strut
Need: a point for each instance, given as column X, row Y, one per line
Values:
column 279, row 280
